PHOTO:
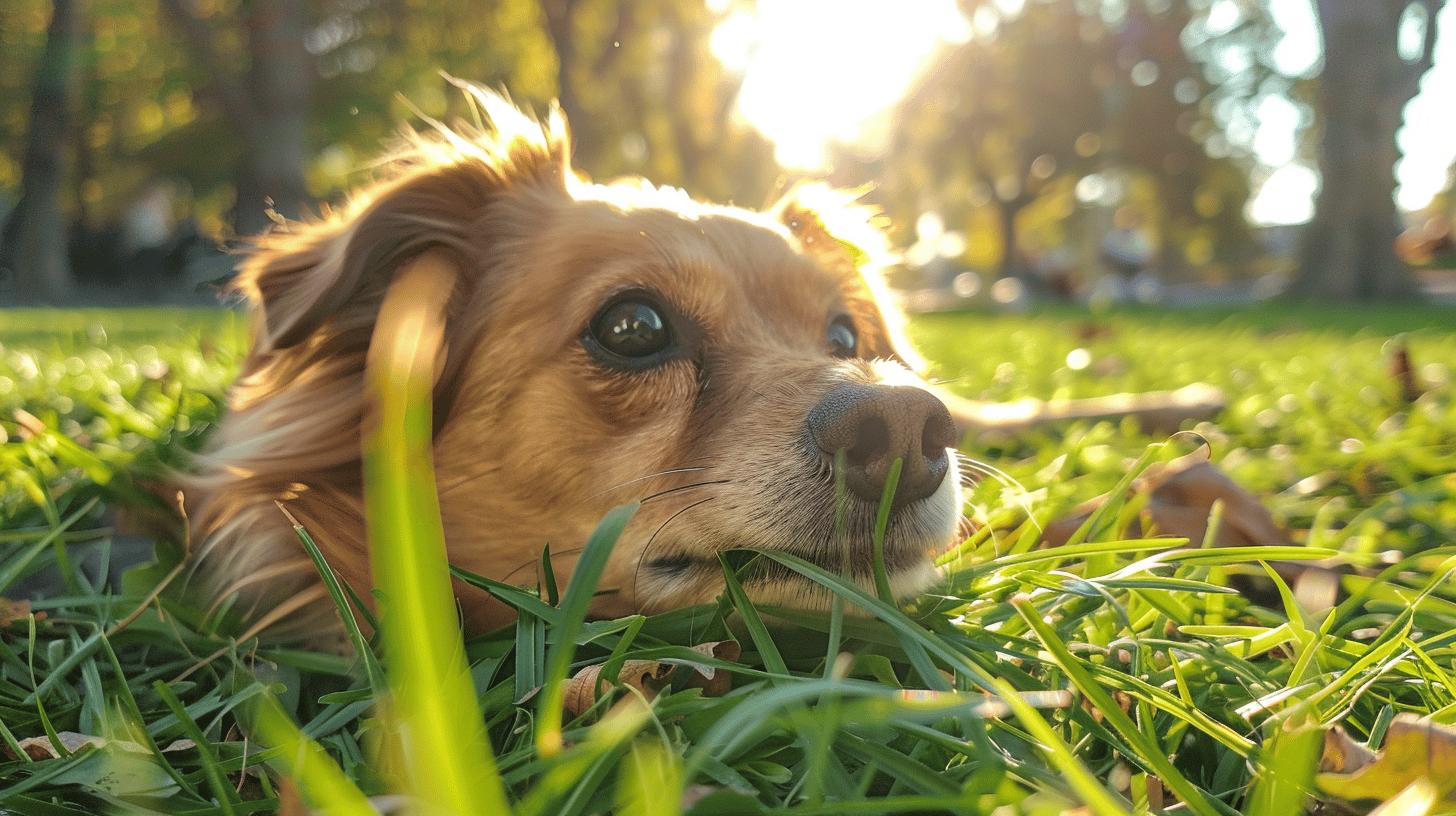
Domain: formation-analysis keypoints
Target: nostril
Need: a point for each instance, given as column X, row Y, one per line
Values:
column 871, row 441
column 933, row 440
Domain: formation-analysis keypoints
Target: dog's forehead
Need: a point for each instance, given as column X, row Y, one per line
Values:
column 738, row 270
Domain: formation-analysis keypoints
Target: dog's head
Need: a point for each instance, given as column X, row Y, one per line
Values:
column 603, row 344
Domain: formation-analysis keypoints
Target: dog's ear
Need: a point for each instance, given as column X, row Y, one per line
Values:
column 434, row 196
column 847, row 237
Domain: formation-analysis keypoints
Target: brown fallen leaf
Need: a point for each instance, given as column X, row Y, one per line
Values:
column 42, row 748
column 650, row 676
column 1181, row 494
column 1416, row 749
column 12, row 611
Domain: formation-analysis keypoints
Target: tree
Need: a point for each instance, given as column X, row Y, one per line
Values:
column 1348, row 250
column 267, row 105
column 660, row 105
column 35, row 245
column 1003, row 127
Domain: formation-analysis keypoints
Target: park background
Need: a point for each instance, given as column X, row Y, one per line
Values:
column 1230, row 149
column 1090, row 196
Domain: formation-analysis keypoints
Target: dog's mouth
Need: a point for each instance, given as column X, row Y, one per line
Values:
column 916, row 534
column 750, row 559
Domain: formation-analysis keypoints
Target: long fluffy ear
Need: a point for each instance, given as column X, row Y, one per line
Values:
column 433, row 193
column 846, row 235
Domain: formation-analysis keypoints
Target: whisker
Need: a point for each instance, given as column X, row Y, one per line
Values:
column 647, row 549
column 505, row 579
column 668, row 472
column 672, row 490
column 1005, row 480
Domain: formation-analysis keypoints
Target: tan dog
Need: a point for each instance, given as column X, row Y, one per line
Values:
column 603, row 344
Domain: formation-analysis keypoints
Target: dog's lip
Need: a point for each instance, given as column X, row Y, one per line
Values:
column 897, row 560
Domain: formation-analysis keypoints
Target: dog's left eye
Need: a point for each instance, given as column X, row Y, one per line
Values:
column 842, row 339
column 630, row 329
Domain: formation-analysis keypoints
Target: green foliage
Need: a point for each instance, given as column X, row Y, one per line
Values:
column 152, row 100
column 1121, row 670
column 1004, row 127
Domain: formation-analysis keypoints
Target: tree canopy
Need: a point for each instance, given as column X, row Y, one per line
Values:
column 1056, row 122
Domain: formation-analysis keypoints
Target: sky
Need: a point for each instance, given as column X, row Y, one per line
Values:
column 823, row 71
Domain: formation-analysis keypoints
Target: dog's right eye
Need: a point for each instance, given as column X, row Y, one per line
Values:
column 630, row 330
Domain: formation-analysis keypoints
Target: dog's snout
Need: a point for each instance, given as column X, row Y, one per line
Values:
column 875, row 425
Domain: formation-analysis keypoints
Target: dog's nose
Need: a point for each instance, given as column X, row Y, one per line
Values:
column 876, row 424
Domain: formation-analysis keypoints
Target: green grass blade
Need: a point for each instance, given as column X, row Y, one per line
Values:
column 1152, row 753
column 574, row 607
column 449, row 764
column 651, row 782
column 373, row 672
column 1285, row 774
column 322, row 784
column 882, row 522
column 227, row 798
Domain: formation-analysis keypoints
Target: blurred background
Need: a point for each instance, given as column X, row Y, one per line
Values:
column 1163, row 151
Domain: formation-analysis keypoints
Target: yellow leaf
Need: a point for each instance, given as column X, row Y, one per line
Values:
column 1415, row 750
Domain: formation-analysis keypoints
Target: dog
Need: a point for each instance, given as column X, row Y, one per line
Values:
column 601, row 343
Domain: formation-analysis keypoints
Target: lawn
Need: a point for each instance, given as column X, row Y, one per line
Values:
column 1124, row 675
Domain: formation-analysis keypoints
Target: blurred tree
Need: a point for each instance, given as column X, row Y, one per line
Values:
column 1064, row 97
column 659, row 104
column 266, row 102
column 34, row 245
column 1370, row 74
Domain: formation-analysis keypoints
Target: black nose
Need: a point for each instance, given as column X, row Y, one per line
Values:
column 875, row 425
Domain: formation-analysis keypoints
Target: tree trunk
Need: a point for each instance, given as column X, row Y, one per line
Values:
column 280, row 85
column 1348, row 250
column 35, row 247
column 267, row 107
column 561, row 27
column 1012, row 264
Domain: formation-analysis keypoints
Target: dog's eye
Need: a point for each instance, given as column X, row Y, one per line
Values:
column 630, row 328
column 842, row 339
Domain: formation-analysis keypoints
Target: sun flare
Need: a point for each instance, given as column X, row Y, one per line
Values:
column 817, row 72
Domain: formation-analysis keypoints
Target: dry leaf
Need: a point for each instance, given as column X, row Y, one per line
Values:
column 1181, row 495
column 42, row 748
column 12, row 611
column 290, row 802
column 648, row 676
column 1415, row 749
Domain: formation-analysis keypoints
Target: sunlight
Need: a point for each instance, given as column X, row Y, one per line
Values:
column 818, row 72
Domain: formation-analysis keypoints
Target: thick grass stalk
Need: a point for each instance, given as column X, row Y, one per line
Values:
column 651, row 782
column 450, row 769
column 1285, row 772
column 323, row 784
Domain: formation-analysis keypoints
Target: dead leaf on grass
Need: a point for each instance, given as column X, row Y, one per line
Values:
column 1181, row 496
column 649, row 676
column 1415, row 749
column 12, row 611
column 42, row 748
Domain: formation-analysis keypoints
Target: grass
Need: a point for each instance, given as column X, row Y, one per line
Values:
column 1116, row 674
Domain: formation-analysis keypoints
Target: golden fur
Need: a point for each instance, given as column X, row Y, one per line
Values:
column 534, row 439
